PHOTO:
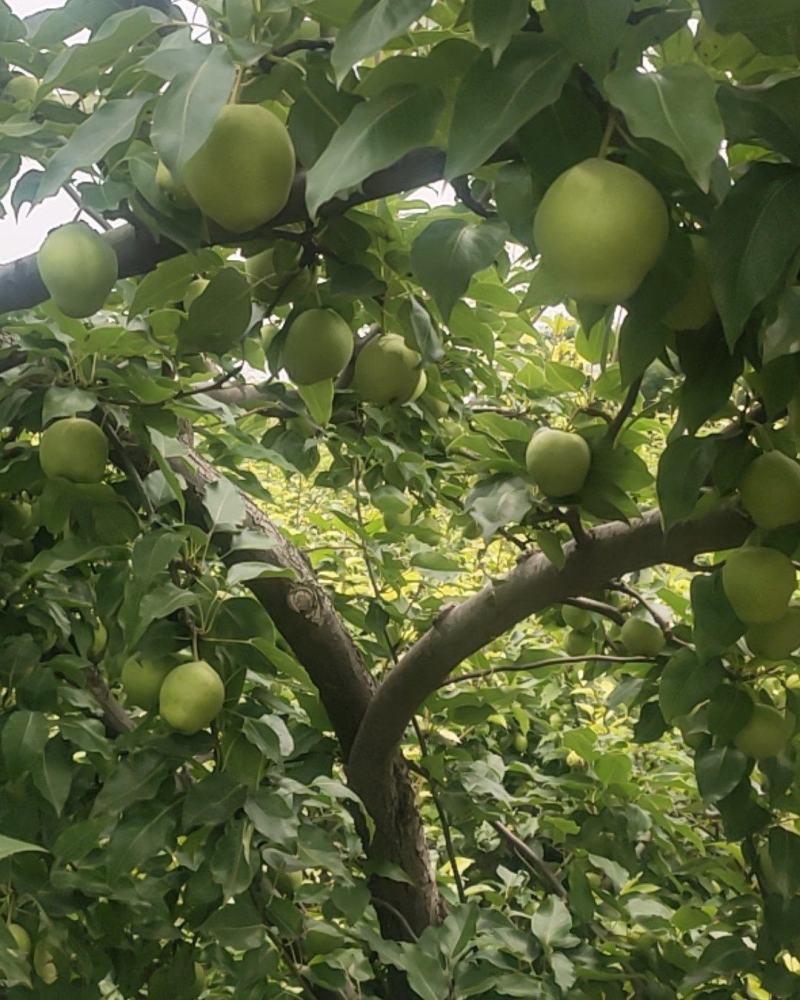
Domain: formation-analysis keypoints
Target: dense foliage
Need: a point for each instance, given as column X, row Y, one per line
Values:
column 285, row 518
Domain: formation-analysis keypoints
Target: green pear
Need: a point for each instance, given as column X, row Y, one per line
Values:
column 776, row 640
column 43, row 962
column 73, row 448
column 142, row 679
column 387, row 371
column 318, row 346
column 558, row 461
column 641, row 638
column 759, row 583
column 171, row 188
column 268, row 276
column 22, row 937
column 600, row 228
column 578, row 643
column 765, row 734
column 770, row 490
column 191, row 696
column 696, row 308
column 21, row 88
column 78, row 268
column 99, row 640
column 576, row 618
column 242, row 175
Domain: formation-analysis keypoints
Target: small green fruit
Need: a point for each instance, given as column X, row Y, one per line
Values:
column 191, row 697
column 777, row 640
column 267, row 277
column 286, row 882
column 16, row 518
column 171, row 188
column 558, row 462
column 194, row 290
column 576, row 618
column 73, row 448
column 759, row 583
column 641, row 638
column 393, row 520
column 141, row 681
column 770, row 490
column 318, row 346
column 600, row 228
column 387, row 371
column 578, row 643
column 520, row 742
column 765, row 733
column 99, row 640
column 242, row 175
column 696, row 308
column 22, row 938
column 21, row 88
column 78, row 268
column 43, row 964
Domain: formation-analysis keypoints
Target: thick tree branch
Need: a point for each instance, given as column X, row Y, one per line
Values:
column 138, row 251
column 615, row 549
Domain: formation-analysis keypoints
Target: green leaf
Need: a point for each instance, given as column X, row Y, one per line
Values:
column 318, row 398
column 178, row 53
column 213, row 800
column 10, row 846
column 784, row 855
column 167, row 283
column 376, row 133
column 728, row 16
column 753, row 240
column 113, row 123
column 493, row 102
column 232, row 864
column 427, row 978
column 66, row 402
column 187, row 110
column 764, row 115
column 683, row 468
column 117, row 35
column 677, row 107
column 716, row 627
column 613, row 768
column 225, row 505
column 374, row 24
column 719, row 770
column 153, row 553
column 499, row 502
column 590, row 31
column 145, row 831
column 218, row 317
column 495, row 24
column 561, row 135
column 447, row 253
column 552, row 923
column 134, row 779
column 729, row 711
column 687, row 681
column 53, row 772
column 237, row 925
column 23, row 740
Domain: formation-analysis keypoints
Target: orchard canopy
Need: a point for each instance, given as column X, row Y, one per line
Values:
column 399, row 505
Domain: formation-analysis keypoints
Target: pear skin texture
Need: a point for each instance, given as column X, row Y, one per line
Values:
column 777, row 640
column 21, row 88
column 78, row 269
column 387, row 371
column 600, row 228
column 641, row 638
column 191, row 697
column 73, row 448
column 759, row 583
column 318, row 346
column 171, row 188
column 765, row 733
column 770, row 490
column 696, row 308
column 578, row 643
column 141, row 681
column 558, row 462
column 242, row 175
column 577, row 618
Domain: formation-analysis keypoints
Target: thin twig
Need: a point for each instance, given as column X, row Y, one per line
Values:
column 625, row 410
column 658, row 618
column 115, row 717
column 541, row 869
column 130, row 469
column 572, row 518
column 464, row 193
column 597, row 607
column 101, row 221
column 552, row 661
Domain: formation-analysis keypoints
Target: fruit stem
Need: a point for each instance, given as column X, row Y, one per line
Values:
column 605, row 142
